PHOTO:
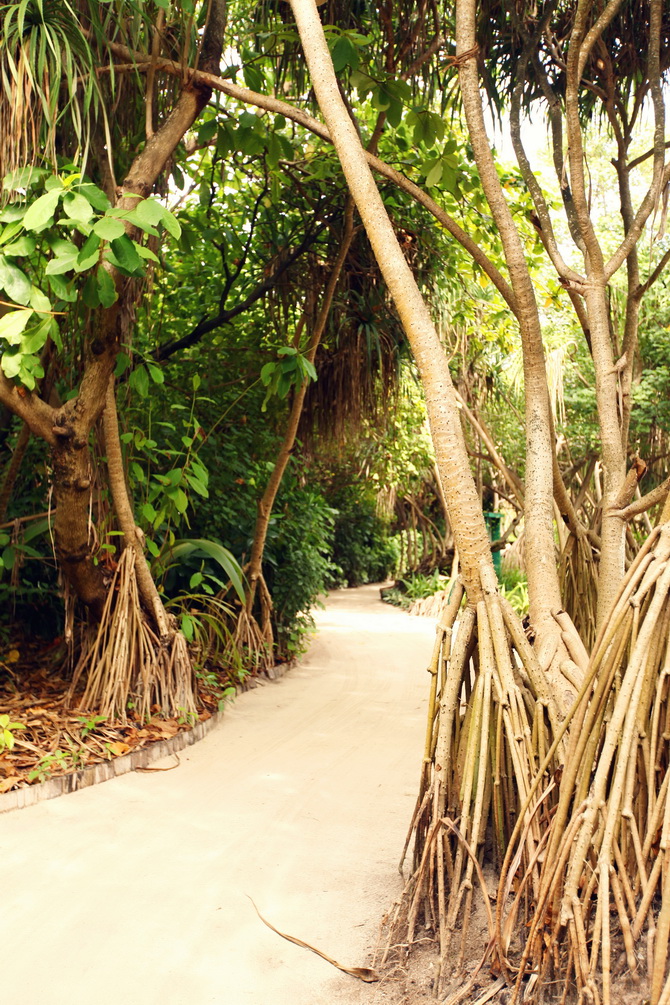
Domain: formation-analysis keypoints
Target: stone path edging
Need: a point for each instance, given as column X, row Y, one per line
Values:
column 62, row 785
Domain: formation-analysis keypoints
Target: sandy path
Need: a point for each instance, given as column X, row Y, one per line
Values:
column 135, row 891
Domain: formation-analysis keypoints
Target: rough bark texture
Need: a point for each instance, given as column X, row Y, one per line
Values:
column 452, row 459
column 543, row 584
column 68, row 429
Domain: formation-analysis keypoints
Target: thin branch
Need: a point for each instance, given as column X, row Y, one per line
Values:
column 277, row 107
column 208, row 325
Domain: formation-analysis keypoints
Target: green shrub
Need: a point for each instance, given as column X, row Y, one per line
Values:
column 363, row 549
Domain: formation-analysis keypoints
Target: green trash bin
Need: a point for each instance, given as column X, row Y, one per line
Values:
column 494, row 527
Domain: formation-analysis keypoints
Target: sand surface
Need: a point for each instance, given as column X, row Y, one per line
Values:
column 136, row 891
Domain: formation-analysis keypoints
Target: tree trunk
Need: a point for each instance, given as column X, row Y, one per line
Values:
column 459, row 488
column 267, row 501
column 543, row 585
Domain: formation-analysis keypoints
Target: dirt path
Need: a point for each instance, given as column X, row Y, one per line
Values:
column 135, row 891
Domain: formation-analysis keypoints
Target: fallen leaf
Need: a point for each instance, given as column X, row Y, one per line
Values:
column 8, row 783
column 13, row 656
column 118, row 748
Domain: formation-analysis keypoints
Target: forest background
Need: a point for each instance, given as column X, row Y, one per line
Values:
column 220, row 381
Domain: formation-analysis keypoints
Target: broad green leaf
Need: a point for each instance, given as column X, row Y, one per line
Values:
column 434, row 174
column 89, row 293
column 108, row 228
column 64, row 291
column 344, row 54
column 139, row 381
column 157, row 374
column 148, row 512
column 15, row 282
column 125, row 254
column 146, row 253
column 34, row 339
column 77, row 207
column 11, row 364
column 180, row 499
column 171, row 223
column 40, row 213
column 216, row 551
column 95, row 196
column 89, row 254
column 197, row 486
column 21, row 248
column 39, row 301
column 13, row 324
column 266, row 373
column 106, row 288
column 65, row 260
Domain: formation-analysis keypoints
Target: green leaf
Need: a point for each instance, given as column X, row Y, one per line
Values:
column 33, row 340
column 41, row 212
column 126, row 256
column 39, row 301
column 95, row 196
column 15, row 282
column 215, row 551
column 67, row 254
column 77, row 207
column 267, row 372
column 206, row 133
column 434, row 174
column 152, row 547
column 148, row 512
column 13, row 324
column 88, row 256
column 180, row 499
column 157, row 374
column 62, row 290
column 309, row 369
column 197, row 486
column 344, row 54
column 11, row 364
column 139, row 381
column 171, row 223
column 187, row 627
column 138, row 473
column 146, row 253
column 106, row 288
column 108, row 228
column 21, row 248
column 89, row 294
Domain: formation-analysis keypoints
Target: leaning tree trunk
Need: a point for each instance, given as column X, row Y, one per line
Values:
column 246, row 633
column 541, row 569
column 511, row 715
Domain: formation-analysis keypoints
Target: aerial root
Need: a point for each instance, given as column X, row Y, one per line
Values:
column 126, row 665
column 605, row 878
column 490, row 733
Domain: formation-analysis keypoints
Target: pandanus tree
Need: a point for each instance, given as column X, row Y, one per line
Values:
column 582, row 846
column 55, row 89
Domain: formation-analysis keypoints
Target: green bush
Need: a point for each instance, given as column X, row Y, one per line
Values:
column 363, row 549
column 297, row 563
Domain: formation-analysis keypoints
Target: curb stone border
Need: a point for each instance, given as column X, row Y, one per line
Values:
column 104, row 771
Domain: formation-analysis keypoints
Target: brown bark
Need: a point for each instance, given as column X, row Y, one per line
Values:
column 452, row 459
column 132, row 536
column 68, row 429
column 543, row 584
